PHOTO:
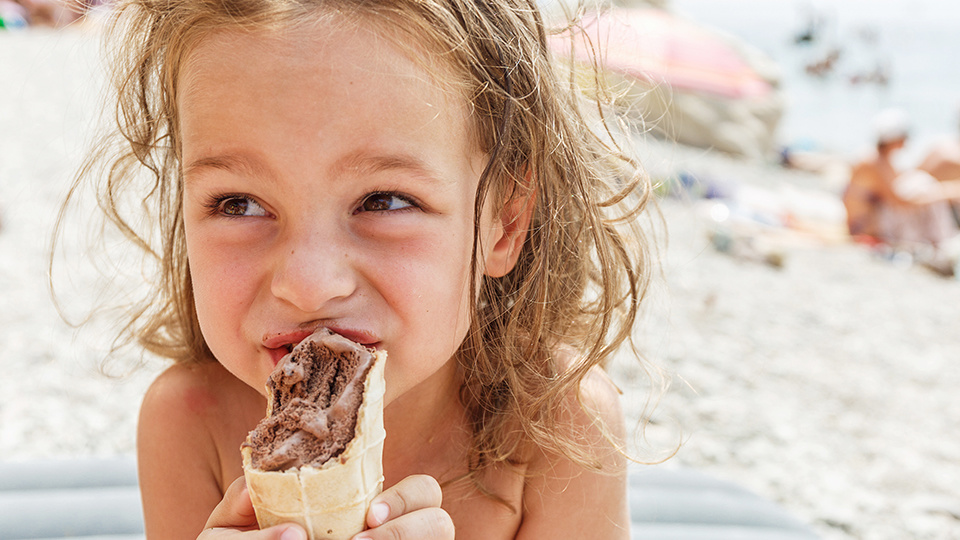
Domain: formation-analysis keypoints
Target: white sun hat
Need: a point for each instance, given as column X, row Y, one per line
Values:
column 891, row 125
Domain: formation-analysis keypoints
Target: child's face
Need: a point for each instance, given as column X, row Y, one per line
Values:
column 328, row 181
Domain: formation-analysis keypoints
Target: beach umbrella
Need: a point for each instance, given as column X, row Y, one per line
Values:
column 660, row 48
column 685, row 81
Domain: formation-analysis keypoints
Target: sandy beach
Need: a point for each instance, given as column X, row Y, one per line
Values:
column 810, row 370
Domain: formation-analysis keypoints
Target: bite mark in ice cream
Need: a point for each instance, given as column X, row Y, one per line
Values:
column 314, row 395
column 316, row 459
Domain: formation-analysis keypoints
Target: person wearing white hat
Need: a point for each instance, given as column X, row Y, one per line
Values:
column 871, row 179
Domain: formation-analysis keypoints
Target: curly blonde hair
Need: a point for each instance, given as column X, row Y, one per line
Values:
column 585, row 264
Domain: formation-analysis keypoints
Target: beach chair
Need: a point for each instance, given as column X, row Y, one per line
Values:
column 88, row 498
column 683, row 504
column 98, row 499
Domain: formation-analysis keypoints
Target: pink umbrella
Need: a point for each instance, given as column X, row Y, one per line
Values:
column 660, row 48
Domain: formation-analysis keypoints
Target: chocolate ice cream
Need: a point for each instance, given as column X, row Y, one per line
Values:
column 314, row 393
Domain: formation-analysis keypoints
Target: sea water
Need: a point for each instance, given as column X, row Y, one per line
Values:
column 915, row 43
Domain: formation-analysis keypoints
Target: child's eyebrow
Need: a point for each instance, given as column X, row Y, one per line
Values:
column 369, row 163
column 357, row 162
column 227, row 162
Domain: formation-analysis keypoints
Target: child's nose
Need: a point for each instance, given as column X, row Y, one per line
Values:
column 312, row 272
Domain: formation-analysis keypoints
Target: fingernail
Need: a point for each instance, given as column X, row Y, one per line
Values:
column 380, row 511
column 293, row 534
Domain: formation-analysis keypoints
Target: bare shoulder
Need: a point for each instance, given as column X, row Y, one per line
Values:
column 192, row 421
column 178, row 402
column 199, row 386
column 598, row 399
column 200, row 396
column 602, row 395
column 558, row 487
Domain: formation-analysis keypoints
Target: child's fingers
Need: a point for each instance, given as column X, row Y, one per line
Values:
column 408, row 495
column 280, row 532
column 235, row 516
column 235, row 509
column 424, row 524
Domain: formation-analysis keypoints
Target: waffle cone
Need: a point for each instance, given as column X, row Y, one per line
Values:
column 331, row 501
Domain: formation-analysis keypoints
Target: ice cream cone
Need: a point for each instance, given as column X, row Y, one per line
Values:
column 331, row 501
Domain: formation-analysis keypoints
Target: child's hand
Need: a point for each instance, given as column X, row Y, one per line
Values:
column 410, row 510
column 234, row 518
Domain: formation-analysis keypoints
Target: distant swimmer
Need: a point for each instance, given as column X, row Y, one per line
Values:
column 825, row 65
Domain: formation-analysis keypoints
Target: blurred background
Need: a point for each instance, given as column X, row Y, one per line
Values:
column 812, row 369
column 842, row 62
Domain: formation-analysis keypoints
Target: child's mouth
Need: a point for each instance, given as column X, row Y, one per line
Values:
column 281, row 345
column 357, row 336
column 277, row 354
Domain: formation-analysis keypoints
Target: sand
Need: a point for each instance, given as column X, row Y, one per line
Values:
column 827, row 384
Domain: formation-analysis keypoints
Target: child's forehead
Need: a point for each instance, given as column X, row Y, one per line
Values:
column 404, row 35
column 314, row 83
column 214, row 48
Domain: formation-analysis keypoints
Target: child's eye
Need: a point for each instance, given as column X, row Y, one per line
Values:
column 237, row 206
column 384, row 201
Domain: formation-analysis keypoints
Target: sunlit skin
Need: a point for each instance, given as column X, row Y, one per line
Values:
column 871, row 184
column 347, row 206
column 329, row 181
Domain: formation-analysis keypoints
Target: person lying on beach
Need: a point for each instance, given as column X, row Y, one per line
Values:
column 53, row 13
column 413, row 175
column 907, row 210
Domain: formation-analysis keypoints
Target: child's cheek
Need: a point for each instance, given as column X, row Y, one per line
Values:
column 223, row 284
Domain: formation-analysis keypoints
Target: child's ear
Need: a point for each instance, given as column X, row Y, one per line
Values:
column 511, row 232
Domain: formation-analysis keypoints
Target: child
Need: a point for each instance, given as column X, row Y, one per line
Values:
column 416, row 176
